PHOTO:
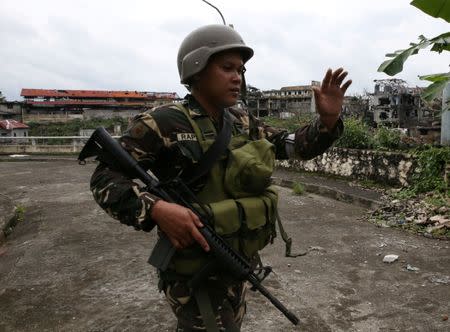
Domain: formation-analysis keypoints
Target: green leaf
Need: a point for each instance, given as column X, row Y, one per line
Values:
column 394, row 65
column 435, row 8
column 441, row 43
column 434, row 90
column 435, row 77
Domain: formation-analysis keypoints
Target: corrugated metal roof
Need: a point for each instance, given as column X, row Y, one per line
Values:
column 12, row 124
column 29, row 93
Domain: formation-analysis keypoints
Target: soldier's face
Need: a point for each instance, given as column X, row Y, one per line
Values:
column 220, row 81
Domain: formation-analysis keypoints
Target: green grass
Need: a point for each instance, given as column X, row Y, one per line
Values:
column 298, row 188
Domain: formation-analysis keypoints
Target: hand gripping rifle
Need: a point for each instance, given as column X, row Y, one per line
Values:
column 101, row 144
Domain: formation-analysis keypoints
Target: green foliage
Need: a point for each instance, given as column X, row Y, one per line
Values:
column 72, row 128
column 438, row 200
column 20, row 213
column 393, row 66
column 288, row 124
column 430, row 177
column 435, row 8
column 298, row 188
column 386, row 138
column 403, row 194
column 435, row 89
column 356, row 135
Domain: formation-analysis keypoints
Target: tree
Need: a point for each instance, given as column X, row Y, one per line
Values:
column 441, row 43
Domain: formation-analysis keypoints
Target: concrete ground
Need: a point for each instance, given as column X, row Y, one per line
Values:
column 70, row 267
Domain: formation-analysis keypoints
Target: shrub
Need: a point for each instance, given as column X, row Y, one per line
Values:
column 357, row 135
column 430, row 176
column 386, row 138
column 298, row 188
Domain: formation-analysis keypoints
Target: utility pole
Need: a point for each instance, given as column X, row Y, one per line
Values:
column 445, row 122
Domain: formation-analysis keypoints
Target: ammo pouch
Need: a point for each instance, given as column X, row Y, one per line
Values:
column 249, row 169
column 237, row 195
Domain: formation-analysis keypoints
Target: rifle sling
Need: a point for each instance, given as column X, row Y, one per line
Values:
column 207, row 160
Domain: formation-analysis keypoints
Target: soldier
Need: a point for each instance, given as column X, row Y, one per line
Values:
column 171, row 140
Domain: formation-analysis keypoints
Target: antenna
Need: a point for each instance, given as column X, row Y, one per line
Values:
column 224, row 23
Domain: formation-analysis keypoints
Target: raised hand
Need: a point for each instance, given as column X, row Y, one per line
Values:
column 330, row 96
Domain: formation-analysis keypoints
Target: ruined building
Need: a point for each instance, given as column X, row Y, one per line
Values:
column 395, row 104
column 283, row 103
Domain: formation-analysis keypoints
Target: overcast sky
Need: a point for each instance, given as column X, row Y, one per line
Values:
column 132, row 45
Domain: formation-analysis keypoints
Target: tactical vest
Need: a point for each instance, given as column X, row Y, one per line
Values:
column 237, row 194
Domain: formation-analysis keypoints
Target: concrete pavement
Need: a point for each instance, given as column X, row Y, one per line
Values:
column 70, row 267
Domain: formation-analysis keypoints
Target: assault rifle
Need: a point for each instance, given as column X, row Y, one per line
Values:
column 102, row 145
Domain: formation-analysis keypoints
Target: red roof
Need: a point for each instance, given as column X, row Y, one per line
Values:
column 12, row 124
column 27, row 93
column 84, row 103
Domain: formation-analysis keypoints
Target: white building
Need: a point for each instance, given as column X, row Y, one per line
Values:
column 13, row 128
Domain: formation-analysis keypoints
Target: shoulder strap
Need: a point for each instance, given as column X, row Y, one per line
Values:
column 213, row 153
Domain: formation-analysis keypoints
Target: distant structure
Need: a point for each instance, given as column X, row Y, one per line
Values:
column 62, row 105
column 13, row 128
column 394, row 104
column 296, row 100
column 283, row 103
column 10, row 109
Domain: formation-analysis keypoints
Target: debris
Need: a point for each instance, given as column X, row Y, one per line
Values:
column 414, row 213
column 412, row 268
column 445, row 317
column 439, row 219
column 316, row 249
column 443, row 210
column 444, row 280
column 390, row 258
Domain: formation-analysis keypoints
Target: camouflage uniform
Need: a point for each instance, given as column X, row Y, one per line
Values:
column 163, row 141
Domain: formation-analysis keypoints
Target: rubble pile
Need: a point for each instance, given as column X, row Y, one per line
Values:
column 417, row 213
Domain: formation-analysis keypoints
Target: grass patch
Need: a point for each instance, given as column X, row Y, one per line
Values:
column 298, row 188
column 20, row 213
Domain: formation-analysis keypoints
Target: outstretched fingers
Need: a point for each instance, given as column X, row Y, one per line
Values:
column 335, row 75
column 346, row 85
column 341, row 78
column 326, row 80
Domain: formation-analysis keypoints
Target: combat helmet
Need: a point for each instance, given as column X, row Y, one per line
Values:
column 202, row 43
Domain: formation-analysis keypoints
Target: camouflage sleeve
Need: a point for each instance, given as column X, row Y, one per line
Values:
column 305, row 143
column 312, row 140
column 120, row 196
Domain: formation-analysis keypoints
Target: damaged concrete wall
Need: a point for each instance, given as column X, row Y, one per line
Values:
column 383, row 167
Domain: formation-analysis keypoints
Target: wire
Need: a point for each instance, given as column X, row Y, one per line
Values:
column 216, row 9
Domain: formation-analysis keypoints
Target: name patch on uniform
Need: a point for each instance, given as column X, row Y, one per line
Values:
column 186, row 137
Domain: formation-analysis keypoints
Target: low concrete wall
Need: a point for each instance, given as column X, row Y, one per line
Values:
column 384, row 167
column 41, row 149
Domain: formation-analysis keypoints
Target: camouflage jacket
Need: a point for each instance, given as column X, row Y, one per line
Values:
column 163, row 141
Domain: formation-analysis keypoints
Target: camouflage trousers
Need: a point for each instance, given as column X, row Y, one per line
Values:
column 227, row 302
